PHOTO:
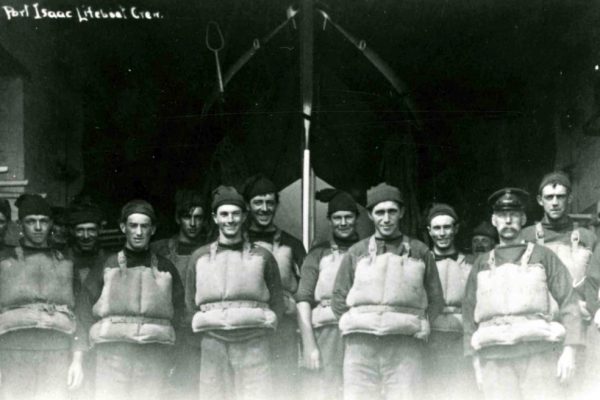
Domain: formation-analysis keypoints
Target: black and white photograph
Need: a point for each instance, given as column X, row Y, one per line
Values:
column 299, row 200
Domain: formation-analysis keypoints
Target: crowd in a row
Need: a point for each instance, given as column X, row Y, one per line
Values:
column 250, row 315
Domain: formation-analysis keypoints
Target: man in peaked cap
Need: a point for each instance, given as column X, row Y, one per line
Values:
column 263, row 198
column 483, row 238
column 518, row 350
column 42, row 339
column 449, row 374
column 386, row 290
column 234, row 298
column 322, row 343
column 138, row 306
column 190, row 213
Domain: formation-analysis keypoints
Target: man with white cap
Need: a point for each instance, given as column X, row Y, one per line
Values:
column 386, row 291
column 234, row 301
column 519, row 351
column 449, row 374
column 322, row 343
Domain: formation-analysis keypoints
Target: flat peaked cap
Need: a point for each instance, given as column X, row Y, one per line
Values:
column 509, row 199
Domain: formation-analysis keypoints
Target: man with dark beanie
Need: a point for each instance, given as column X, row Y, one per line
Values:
column 518, row 350
column 262, row 197
column 483, row 238
column 234, row 301
column 322, row 344
column 139, row 301
column 386, row 291
column 5, row 216
column 190, row 217
column 59, row 235
column 41, row 338
column 449, row 373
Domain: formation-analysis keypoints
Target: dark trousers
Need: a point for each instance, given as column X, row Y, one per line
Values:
column 34, row 374
column 284, row 347
column 235, row 370
column 449, row 374
column 327, row 383
column 132, row 371
column 382, row 367
column 522, row 378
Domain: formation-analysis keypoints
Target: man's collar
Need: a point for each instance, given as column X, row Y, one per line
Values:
column 564, row 222
column 439, row 257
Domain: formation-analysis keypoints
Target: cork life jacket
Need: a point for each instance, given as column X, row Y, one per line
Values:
column 288, row 270
column 329, row 265
column 387, row 296
column 135, row 305
column 575, row 256
column 231, row 292
column 513, row 304
column 36, row 292
column 453, row 276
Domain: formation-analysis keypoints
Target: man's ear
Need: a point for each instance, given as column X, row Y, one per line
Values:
column 457, row 228
column 494, row 222
column 123, row 227
column 524, row 219
column 539, row 200
column 214, row 217
column 153, row 230
column 402, row 212
column 569, row 198
column 370, row 215
column 429, row 230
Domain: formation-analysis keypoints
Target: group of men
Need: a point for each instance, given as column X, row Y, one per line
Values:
column 247, row 314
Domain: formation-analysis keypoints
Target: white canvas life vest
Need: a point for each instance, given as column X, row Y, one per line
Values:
column 387, row 296
column 288, row 270
column 453, row 276
column 329, row 265
column 231, row 292
column 36, row 292
column 135, row 305
column 513, row 304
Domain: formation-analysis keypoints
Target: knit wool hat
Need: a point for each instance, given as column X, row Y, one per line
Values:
column 337, row 200
column 85, row 213
column 138, row 206
column 441, row 209
column 258, row 185
column 227, row 195
column 555, row 178
column 485, row 228
column 5, row 209
column 383, row 192
column 33, row 204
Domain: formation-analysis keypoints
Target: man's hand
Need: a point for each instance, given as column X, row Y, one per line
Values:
column 565, row 368
column 597, row 319
column 75, row 374
column 311, row 357
column 478, row 372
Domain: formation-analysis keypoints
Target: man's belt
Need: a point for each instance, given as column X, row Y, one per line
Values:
column 131, row 319
column 380, row 308
column 46, row 307
column 224, row 305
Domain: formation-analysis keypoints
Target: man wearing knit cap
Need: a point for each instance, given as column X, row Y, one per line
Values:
column 322, row 344
column 138, row 305
column 5, row 215
column 483, row 238
column 449, row 374
column 386, row 290
column 518, row 350
column 262, row 197
column 41, row 338
column 234, row 301
column 59, row 235
column 190, row 217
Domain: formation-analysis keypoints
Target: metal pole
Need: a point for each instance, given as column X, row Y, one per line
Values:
column 306, row 87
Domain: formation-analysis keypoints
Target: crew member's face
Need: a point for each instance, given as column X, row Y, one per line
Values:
column 86, row 235
column 36, row 229
column 386, row 217
column 191, row 223
column 442, row 230
column 60, row 233
column 229, row 218
column 262, row 209
column 481, row 244
column 138, row 230
column 508, row 223
column 554, row 199
column 343, row 224
column 3, row 226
